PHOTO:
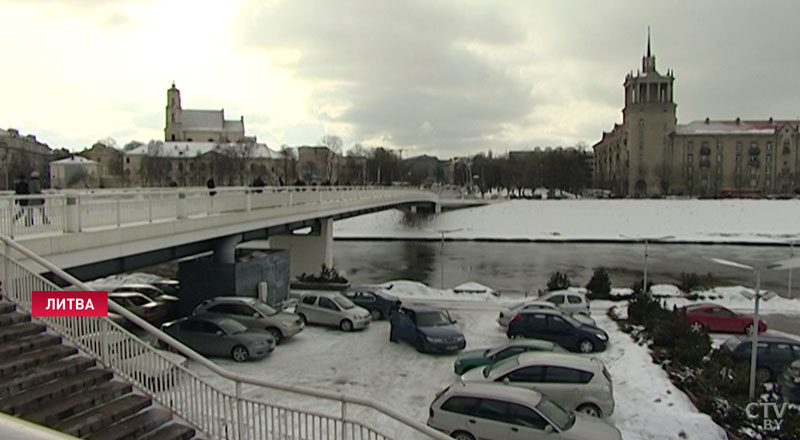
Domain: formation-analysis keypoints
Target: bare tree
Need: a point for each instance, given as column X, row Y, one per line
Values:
column 155, row 166
column 132, row 145
column 333, row 142
column 357, row 150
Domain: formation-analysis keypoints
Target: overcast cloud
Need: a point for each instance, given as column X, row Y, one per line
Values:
column 448, row 77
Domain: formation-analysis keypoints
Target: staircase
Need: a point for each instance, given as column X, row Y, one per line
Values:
column 47, row 382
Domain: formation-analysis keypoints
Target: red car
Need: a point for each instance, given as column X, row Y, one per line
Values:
column 714, row 318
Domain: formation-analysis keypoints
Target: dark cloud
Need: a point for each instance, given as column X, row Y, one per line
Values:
column 406, row 71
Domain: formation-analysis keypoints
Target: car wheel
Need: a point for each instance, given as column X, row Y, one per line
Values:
column 461, row 435
column 420, row 345
column 376, row 315
column 240, row 354
column 749, row 329
column 303, row 318
column 590, row 410
column 346, row 325
column 276, row 334
column 763, row 375
column 697, row 327
column 586, row 346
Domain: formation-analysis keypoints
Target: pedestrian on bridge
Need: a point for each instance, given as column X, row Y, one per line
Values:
column 35, row 187
column 21, row 189
column 210, row 184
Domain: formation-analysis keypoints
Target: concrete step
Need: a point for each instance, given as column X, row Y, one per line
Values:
column 134, row 426
column 41, row 395
column 78, row 403
column 7, row 307
column 19, row 330
column 170, row 431
column 100, row 417
column 27, row 343
column 35, row 357
column 7, row 319
column 26, row 379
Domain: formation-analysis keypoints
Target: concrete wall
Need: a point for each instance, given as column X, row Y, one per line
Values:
column 308, row 252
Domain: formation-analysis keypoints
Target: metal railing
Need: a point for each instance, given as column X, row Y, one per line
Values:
column 222, row 405
column 73, row 211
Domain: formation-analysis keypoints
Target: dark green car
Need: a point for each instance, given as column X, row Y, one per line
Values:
column 488, row 356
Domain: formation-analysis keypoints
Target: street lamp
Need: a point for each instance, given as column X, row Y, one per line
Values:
column 646, row 240
column 787, row 264
column 441, row 249
column 791, row 255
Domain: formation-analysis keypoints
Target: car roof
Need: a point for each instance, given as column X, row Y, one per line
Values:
column 327, row 293
column 767, row 338
column 128, row 295
column 530, row 343
column 419, row 309
column 558, row 360
column 702, row 306
column 243, row 299
column 214, row 319
column 131, row 285
column 563, row 292
column 502, row 391
column 545, row 311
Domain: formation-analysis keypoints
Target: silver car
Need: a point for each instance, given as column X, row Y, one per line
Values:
column 506, row 315
column 573, row 302
column 471, row 411
column 332, row 309
column 574, row 382
column 253, row 313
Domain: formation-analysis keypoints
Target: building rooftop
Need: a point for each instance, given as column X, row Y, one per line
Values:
column 212, row 120
column 763, row 127
column 74, row 160
column 194, row 149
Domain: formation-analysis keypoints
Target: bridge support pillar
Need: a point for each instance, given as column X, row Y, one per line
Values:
column 225, row 249
column 437, row 208
column 413, row 209
column 307, row 253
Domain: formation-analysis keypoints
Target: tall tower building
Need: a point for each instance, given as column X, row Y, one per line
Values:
column 648, row 119
column 173, row 130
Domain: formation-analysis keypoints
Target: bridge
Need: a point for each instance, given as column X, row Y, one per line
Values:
column 102, row 232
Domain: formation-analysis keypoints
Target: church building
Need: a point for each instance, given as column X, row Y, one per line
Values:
column 200, row 125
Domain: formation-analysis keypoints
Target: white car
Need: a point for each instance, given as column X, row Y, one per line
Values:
column 332, row 309
column 574, row 382
column 471, row 411
column 506, row 315
column 573, row 302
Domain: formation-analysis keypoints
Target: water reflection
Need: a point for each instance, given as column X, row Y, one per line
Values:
column 515, row 268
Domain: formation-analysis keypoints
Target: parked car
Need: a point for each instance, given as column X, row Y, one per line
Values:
column 214, row 336
column 470, row 411
column 332, row 309
column 558, row 328
column 574, row 382
column 715, row 318
column 253, row 313
column 427, row 328
column 379, row 303
column 488, row 356
column 774, row 354
column 140, row 305
column 789, row 383
column 573, row 302
column 170, row 302
column 506, row 315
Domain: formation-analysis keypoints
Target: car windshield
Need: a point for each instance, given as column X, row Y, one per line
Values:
column 501, row 367
column 571, row 320
column 138, row 300
column 343, row 302
column 431, row 319
column 265, row 309
column 231, row 327
column 556, row 414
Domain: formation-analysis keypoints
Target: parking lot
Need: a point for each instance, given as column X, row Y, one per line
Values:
column 365, row 363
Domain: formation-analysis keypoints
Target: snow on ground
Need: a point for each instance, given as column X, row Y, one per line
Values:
column 711, row 221
column 405, row 289
column 366, row 364
column 732, row 298
column 118, row 280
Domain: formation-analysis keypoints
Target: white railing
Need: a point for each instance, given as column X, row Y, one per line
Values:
column 223, row 405
column 71, row 211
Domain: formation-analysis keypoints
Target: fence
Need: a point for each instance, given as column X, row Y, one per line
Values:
column 219, row 411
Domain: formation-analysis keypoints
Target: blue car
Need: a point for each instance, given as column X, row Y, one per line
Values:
column 379, row 303
column 426, row 328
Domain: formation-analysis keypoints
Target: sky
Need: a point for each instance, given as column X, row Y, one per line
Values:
column 447, row 77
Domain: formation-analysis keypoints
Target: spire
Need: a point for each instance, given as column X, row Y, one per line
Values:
column 648, row 41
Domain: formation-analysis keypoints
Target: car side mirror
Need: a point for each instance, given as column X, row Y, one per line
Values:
column 220, row 333
column 506, row 380
column 454, row 321
column 255, row 315
column 548, row 429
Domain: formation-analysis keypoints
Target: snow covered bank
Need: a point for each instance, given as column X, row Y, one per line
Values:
column 724, row 221
column 405, row 289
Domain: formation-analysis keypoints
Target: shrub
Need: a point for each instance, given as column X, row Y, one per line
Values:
column 600, row 285
column 692, row 281
column 558, row 281
column 327, row 275
column 637, row 286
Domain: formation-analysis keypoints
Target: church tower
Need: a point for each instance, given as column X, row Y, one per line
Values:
column 173, row 130
column 649, row 120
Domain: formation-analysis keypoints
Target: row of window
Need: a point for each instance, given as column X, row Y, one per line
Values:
column 739, row 146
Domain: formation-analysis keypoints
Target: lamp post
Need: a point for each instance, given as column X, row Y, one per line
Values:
column 791, row 255
column 441, row 251
column 786, row 264
column 646, row 241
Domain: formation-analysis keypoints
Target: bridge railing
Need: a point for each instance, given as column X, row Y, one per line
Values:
column 219, row 403
column 73, row 211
